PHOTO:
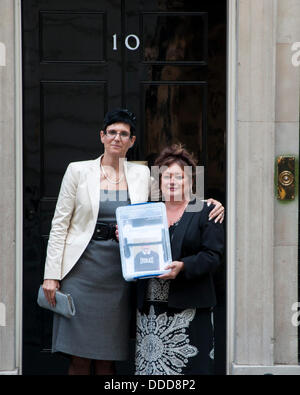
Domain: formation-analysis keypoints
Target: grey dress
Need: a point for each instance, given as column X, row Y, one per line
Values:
column 100, row 328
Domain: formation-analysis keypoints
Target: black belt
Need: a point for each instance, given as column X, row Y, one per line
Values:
column 104, row 232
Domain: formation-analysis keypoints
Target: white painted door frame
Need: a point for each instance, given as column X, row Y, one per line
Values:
column 231, row 175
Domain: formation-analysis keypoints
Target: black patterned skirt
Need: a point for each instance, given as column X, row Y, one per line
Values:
column 172, row 341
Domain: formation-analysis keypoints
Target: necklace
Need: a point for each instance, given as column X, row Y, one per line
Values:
column 106, row 176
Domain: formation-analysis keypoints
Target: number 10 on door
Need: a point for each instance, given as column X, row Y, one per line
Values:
column 132, row 45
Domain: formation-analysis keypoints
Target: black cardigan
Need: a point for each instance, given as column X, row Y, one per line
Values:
column 199, row 243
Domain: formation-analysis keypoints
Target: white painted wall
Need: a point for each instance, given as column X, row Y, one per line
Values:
column 286, row 215
column 267, row 231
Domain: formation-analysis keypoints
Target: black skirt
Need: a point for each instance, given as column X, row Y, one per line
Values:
column 172, row 341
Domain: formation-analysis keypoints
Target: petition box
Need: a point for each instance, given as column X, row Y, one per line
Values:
column 144, row 240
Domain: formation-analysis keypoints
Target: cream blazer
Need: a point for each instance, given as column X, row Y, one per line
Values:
column 77, row 208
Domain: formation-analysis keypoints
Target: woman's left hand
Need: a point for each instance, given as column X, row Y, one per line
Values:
column 175, row 267
column 218, row 211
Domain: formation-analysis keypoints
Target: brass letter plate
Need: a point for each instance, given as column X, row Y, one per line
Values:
column 286, row 178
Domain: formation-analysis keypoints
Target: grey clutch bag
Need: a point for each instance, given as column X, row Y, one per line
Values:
column 64, row 303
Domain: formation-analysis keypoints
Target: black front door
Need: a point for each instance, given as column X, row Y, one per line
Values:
column 166, row 61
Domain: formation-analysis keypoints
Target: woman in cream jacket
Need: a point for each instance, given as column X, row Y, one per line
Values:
column 83, row 257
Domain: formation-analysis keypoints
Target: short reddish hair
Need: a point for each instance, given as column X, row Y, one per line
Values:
column 176, row 153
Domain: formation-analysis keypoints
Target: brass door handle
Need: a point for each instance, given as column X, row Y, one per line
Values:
column 286, row 182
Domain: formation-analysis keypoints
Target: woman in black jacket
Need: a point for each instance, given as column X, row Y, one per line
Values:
column 174, row 318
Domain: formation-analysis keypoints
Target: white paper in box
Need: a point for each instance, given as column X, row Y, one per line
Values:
column 144, row 240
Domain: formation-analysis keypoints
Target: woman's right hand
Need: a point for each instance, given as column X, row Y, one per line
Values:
column 50, row 287
column 117, row 233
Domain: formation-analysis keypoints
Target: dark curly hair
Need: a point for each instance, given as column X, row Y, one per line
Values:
column 176, row 153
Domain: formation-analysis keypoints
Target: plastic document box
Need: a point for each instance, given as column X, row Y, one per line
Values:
column 144, row 240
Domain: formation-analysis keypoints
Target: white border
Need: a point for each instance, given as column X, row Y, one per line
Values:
column 231, row 177
column 19, row 181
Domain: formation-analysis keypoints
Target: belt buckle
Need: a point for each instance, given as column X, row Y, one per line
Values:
column 102, row 232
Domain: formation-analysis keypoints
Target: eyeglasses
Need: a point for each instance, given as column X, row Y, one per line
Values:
column 177, row 177
column 113, row 134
